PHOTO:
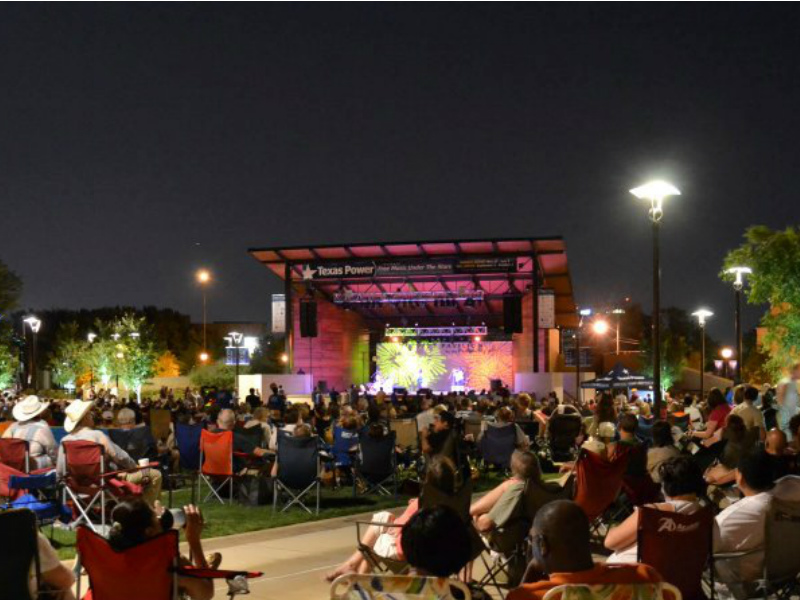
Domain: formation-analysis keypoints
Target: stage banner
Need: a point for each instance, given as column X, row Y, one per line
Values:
column 547, row 309
column 409, row 268
column 278, row 313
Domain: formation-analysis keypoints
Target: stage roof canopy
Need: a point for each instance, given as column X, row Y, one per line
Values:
column 493, row 268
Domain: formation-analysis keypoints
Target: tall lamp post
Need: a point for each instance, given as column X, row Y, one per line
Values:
column 584, row 312
column 655, row 192
column 35, row 325
column 203, row 278
column 90, row 337
column 738, row 284
column 618, row 312
column 236, row 341
column 702, row 314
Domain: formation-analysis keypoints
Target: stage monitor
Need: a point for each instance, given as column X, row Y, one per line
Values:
column 443, row 366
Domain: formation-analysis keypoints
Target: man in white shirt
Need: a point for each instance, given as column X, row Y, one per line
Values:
column 31, row 427
column 426, row 414
column 740, row 527
column 752, row 417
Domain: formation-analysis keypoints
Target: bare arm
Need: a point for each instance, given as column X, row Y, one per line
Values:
column 623, row 535
column 61, row 579
column 711, row 427
column 485, row 503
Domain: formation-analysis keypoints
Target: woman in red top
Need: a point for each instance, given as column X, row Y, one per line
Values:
column 384, row 536
column 718, row 415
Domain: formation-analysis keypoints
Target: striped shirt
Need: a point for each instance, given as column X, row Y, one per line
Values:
column 42, row 444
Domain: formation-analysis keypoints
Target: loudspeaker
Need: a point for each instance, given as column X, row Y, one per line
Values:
column 308, row 319
column 512, row 314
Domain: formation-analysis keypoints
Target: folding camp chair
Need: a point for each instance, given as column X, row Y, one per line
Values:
column 562, row 431
column 344, row 444
column 597, row 484
column 17, row 557
column 87, row 484
column 376, row 465
column 644, row 431
column 39, row 494
column 679, row 420
column 529, row 428
column 298, row 471
column 148, row 570
column 397, row 587
column 58, row 433
column 781, row 555
column 216, row 464
column 137, row 442
column 662, row 536
column 640, row 591
column 160, row 421
column 187, row 440
column 498, row 444
column 15, row 454
column 406, row 432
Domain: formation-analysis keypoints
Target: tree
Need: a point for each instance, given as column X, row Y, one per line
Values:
column 67, row 362
column 218, row 376
column 167, row 365
column 135, row 352
column 678, row 329
column 9, row 362
column 10, row 290
column 267, row 357
column 774, row 257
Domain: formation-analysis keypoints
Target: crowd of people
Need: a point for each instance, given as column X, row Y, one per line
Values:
column 726, row 450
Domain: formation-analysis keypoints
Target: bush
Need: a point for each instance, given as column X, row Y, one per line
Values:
column 219, row 376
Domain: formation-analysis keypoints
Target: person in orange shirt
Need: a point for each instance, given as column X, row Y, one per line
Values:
column 562, row 555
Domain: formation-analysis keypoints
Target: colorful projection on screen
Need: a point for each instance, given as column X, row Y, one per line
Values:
column 443, row 366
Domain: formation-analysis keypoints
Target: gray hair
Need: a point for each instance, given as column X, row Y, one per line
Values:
column 126, row 416
column 226, row 418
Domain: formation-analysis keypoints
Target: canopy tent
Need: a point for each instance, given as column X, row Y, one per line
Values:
column 617, row 378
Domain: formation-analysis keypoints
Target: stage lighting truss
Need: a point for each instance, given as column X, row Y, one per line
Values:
column 440, row 298
column 433, row 332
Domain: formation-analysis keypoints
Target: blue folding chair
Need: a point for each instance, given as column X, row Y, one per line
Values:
column 58, row 433
column 498, row 444
column 344, row 442
column 187, row 438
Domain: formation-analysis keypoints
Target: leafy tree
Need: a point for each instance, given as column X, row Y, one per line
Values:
column 267, row 358
column 167, row 365
column 135, row 352
column 774, row 257
column 67, row 362
column 9, row 362
column 677, row 329
column 10, row 290
column 217, row 375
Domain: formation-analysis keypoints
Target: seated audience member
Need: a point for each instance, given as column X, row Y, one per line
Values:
column 226, row 421
column 740, row 527
column 138, row 440
column 426, row 415
column 436, row 542
column 602, row 439
column 269, row 431
column 689, row 408
column 562, row 555
column 439, row 438
column 604, row 412
column 30, row 425
column 387, row 541
column 135, row 522
column 736, row 444
column 79, row 425
column 663, row 449
column 682, row 484
column 752, row 417
column 778, row 449
column 717, row 416
column 628, row 442
column 504, row 417
column 55, row 578
column 494, row 507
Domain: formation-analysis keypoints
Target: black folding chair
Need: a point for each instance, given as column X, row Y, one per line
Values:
column 17, row 557
column 298, row 471
column 376, row 466
column 137, row 442
column 498, row 444
column 563, row 430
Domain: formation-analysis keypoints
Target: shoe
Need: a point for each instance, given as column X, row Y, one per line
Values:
column 214, row 560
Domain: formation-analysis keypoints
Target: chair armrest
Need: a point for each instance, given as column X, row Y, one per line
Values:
column 131, row 470
column 190, row 571
column 734, row 555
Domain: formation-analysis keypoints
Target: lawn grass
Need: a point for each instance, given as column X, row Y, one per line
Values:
column 222, row 520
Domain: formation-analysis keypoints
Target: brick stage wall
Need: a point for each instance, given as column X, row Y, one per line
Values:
column 340, row 350
column 523, row 342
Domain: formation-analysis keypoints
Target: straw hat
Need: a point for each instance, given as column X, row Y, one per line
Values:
column 75, row 412
column 30, row 408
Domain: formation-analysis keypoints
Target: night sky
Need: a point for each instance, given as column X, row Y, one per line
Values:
column 140, row 142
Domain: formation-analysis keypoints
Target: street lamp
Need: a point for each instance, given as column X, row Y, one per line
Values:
column 738, row 284
column 584, row 312
column 655, row 192
column 203, row 278
column 618, row 312
column 91, row 337
column 35, row 324
column 236, row 341
column 702, row 314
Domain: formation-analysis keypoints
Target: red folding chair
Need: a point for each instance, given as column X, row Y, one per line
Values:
column 597, row 484
column 15, row 454
column 87, row 483
column 216, row 464
column 663, row 536
column 146, row 571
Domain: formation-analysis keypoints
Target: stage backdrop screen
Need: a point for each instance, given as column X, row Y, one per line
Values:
column 443, row 366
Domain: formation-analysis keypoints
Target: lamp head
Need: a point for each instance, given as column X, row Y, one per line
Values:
column 34, row 323
column 702, row 314
column 726, row 353
column 739, row 272
column 585, row 312
column 600, row 327
column 91, row 337
column 236, row 337
column 655, row 192
column 203, row 276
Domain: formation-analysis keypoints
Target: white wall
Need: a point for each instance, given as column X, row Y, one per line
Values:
column 543, row 383
column 293, row 385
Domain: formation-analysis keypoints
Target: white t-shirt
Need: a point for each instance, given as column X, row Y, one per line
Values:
column 740, row 527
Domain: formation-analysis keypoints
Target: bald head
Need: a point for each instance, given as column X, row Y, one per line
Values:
column 226, row 419
column 561, row 538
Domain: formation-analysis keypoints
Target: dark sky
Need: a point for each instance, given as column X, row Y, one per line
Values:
column 140, row 142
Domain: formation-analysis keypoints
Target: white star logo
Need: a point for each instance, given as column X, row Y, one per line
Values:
column 308, row 272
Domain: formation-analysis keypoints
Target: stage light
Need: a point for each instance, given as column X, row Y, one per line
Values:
column 395, row 339
column 600, row 327
column 476, row 339
column 203, row 356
